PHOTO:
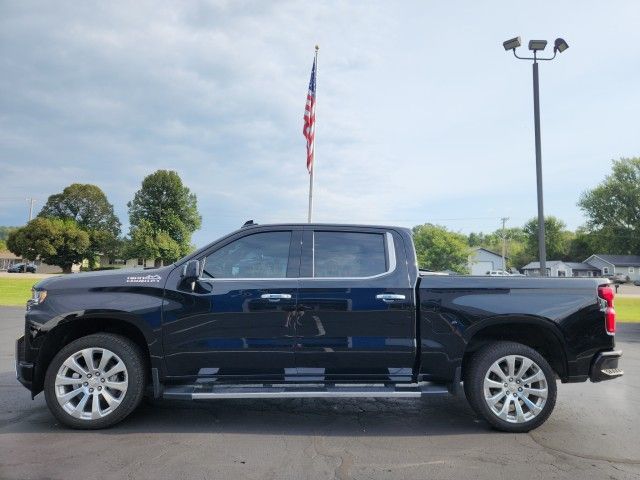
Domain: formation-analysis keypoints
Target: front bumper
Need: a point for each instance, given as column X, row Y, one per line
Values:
column 24, row 369
column 605, row 366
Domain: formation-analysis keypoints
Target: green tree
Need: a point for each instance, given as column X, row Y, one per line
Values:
column 164, row 209
column 516, row 247
column 515, row 243
column 557, row 238
column 146, row 242
column 582, row 245
column 3, row 245
column 5, row 231
column 53, row 240
column 518, row 254
column 613, row 208
column 439, row 249
column 88, row 206
column 477, row 239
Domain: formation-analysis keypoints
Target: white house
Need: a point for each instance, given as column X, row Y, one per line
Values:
column 628, row 265
column 482, row 260
column 558, row 268
column 129, row 263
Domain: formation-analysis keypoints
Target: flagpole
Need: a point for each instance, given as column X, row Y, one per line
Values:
column 313, row 165
column 311, row 191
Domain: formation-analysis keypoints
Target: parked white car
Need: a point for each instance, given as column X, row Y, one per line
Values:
column 498, row 273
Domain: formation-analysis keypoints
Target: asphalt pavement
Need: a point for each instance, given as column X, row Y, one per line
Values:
column 593, row 433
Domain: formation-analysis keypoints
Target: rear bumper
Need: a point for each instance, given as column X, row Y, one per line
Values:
column 605, row 366
column 24, row 369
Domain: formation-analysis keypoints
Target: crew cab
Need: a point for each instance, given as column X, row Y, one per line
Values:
column 312, row 310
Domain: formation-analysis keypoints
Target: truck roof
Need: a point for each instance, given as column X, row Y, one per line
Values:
column 250, row 225
column 348, row 225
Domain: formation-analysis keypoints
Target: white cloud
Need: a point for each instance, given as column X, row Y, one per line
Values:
column 420, row 114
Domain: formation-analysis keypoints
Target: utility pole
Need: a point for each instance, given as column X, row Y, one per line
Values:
column 504, row 243
column 31, row 201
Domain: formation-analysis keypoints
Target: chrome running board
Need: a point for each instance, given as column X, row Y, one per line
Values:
column 212, row 391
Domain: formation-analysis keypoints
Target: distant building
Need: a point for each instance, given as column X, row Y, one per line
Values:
column 7, row 259
column 628, row 265
column 482, row 261
column 129, row 263
column 582, row 269
column 558, row 268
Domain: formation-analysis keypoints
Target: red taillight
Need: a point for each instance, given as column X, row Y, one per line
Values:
column 606, row 293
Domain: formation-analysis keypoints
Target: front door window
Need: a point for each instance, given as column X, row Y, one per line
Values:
column 263, row 255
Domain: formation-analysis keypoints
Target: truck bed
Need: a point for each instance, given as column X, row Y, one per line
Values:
column 563, row 314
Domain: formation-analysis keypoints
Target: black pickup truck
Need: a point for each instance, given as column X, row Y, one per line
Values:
column 312, row 310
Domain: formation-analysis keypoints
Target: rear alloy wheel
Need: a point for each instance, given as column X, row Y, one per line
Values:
column 95, row 381
column 515, row 389
column 512, row 386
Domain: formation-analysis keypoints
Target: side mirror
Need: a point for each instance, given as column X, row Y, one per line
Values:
column 191, row 270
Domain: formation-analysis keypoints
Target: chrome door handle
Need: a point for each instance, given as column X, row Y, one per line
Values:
column 390, row 297
column 276, row 297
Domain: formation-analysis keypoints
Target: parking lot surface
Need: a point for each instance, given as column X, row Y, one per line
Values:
column 593, row 433
column 629, row 290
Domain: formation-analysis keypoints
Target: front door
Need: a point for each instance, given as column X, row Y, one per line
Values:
column 356, row 306
column 236, row 321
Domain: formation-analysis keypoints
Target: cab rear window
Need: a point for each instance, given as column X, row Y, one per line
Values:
column 348, row 254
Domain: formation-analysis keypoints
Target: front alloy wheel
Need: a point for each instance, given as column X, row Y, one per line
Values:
column 95, row 381
column 91, row 383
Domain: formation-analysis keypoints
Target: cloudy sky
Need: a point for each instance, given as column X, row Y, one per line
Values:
column 422, row 116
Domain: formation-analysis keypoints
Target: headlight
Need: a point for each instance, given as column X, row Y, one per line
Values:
column 38, row 296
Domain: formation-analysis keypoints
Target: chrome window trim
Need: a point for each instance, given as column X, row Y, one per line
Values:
column 391, row 258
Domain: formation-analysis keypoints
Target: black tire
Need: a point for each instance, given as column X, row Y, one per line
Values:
column 474, row 384
column 466, row 386
column 133, row 359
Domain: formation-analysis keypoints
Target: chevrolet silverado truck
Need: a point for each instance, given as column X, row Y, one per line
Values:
column 312, row 310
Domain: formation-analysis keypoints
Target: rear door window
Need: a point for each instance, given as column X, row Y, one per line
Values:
column 348, row 254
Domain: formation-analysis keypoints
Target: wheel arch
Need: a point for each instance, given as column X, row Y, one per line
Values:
column 70, row 329
column 538, row 333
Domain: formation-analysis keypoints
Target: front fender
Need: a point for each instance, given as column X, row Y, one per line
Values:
column 45, row 340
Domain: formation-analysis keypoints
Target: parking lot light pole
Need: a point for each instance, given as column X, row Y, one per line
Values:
column 538, row 46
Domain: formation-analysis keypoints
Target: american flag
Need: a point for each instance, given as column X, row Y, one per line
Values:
column 309, row 129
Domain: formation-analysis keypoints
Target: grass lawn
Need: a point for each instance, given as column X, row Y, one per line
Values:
column 14, row 292
column 627, row 309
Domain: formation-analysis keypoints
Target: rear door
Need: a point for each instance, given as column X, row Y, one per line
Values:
column 356, row 306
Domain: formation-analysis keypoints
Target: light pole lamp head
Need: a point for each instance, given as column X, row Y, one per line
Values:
column 560, row 45
column 537, row 45
column 511, row 44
